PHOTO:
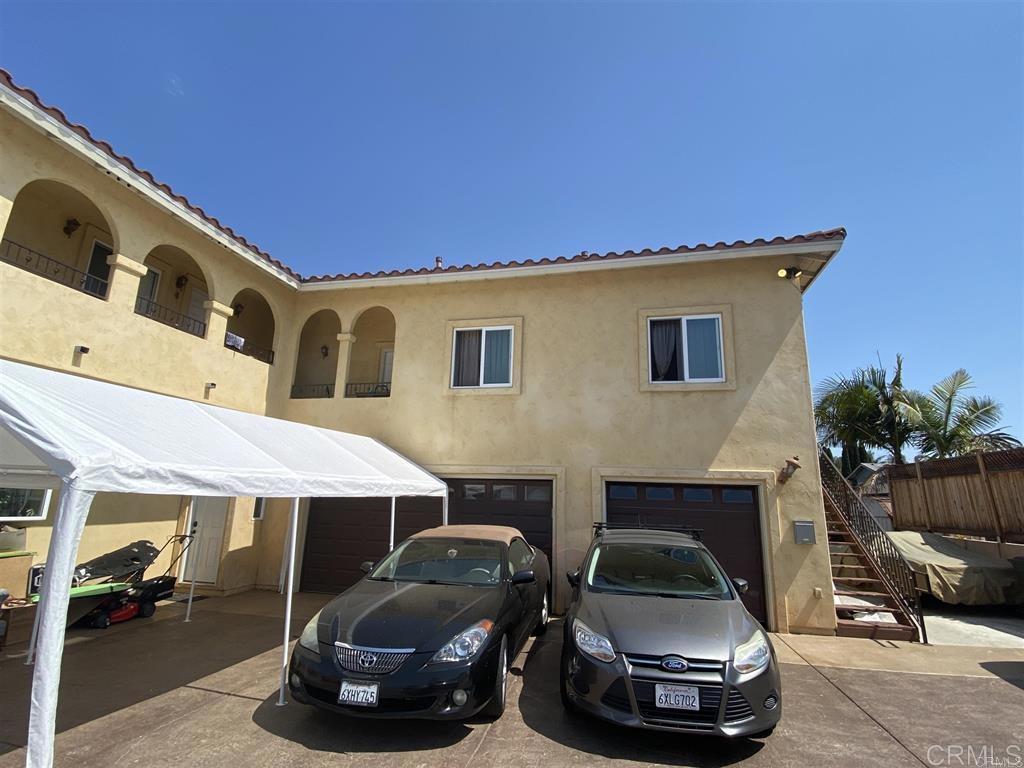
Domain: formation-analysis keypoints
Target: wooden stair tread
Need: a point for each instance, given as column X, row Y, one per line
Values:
column 855, row 593
column 867, row 608
column 856, row 578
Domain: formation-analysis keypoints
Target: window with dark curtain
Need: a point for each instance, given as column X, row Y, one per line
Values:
column 466, row 367
column 666, row 342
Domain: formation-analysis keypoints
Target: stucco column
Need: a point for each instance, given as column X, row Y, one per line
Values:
column 217, row 315
column 6, row 205
column 345, row 342
column 125, row 274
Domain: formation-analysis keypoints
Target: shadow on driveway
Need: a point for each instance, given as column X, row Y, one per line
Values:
column 1009, row 671
column 542, row 712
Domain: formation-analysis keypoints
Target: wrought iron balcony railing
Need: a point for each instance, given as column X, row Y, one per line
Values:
column 307, row 391
column 246, row 347
column 31, row 261
column 369, row 389
column 168, row 316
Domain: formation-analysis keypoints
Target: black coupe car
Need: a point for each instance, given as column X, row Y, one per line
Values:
column 430, row 631
column 656, row 637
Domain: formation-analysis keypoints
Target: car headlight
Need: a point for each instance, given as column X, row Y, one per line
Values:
column 753, row 654
column 591, row 643
column 465, row 645
column 308, row 637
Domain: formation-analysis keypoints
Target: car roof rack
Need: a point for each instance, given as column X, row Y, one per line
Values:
column 693, row 533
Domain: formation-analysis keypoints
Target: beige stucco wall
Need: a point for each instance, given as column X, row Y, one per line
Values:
column 580, row 412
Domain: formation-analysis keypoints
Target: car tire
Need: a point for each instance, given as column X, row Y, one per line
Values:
column 147, row 609
column 563, row 683
column 496, row 706
column 545, row 615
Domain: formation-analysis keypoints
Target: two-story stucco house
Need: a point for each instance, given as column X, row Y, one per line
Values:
column 663, row 387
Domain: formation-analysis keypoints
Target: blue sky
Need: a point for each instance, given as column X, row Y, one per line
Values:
column 351, row 137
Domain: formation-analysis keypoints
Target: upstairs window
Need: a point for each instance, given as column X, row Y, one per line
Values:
column 686, row 349
column 482, row 357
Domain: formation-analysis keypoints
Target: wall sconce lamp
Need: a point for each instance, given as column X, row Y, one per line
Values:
column 210, row 385
column 790, row 273
column 792, row 465
column 323, row 351
column 179, row 284
column 238, row 309
column 71, row 226
column 81, row 350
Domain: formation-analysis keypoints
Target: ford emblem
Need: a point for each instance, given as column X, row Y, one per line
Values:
column 367, row 660
column 674, row 664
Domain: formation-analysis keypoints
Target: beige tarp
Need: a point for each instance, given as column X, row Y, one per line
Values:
column 956, row 575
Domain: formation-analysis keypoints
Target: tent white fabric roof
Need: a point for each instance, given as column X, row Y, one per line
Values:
column 93, row 436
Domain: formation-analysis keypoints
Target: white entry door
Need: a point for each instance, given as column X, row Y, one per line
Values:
column 208, row 519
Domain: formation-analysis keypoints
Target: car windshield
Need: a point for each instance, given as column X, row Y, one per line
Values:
column 443, row 561
column 656, row 569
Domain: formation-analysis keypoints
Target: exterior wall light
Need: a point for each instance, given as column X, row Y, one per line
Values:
column 210, row 385
column 323, row 351
column 238, row 309
column 790, row 273
column 81, row 349
column 792, row 465
column 179, row 284
column 71, row 226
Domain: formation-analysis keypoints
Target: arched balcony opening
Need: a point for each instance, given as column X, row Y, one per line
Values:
column 58, row 233
column 251, row 327
column 373, row 354
column 174, row 290
column 316, row 368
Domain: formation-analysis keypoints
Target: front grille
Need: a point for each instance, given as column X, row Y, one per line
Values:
column 710, row 697
column 372, row 661
column 737, row 708
column 617, row 697
column 654, row 662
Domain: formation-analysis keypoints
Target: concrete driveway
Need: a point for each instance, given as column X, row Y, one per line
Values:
column 159, row 692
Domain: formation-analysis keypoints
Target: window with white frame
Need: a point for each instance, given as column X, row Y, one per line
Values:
column 258, row 507
column 685, row 349
column 24, row 504
column 482, row 357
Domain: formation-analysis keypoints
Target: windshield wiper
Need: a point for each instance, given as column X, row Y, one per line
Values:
column 679, row 596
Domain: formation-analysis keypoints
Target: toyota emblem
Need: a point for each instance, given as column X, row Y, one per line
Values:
column 674, row 664
column 367, row 660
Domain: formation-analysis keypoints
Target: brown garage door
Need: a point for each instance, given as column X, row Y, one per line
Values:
column 342, row 534
column 727, row 517
column 522, row 504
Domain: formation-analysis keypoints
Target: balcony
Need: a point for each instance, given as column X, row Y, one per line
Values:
column 246, row 347
column 312, row 391
column 51, row 269
column 167, row 316
column 371, row 389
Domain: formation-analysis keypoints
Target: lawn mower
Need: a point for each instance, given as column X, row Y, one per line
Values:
column 111, row 588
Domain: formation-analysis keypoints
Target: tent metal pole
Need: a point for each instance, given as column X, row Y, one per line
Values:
column 391, row 540
column 444, row 509
column 288, row 603
column 283, row 575
column 193, row 556
column 35, row 635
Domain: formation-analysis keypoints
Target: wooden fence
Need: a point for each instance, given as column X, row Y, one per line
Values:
column 977, row 495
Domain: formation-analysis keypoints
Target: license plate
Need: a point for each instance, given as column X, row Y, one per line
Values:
column 358, row 694
column 677, row 697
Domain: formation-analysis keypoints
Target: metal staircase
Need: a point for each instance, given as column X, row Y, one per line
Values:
column 869, row 574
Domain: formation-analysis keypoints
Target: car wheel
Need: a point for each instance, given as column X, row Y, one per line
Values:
column 496, row 706
column 147, row 609
column 563, row 682
column 545, row 615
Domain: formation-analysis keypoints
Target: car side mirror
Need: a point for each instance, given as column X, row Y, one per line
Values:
column 366, row 567
column 742, row 585
column 524, row 577
column 573, row 577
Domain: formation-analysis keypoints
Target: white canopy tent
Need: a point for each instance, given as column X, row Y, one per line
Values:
column 91, row 437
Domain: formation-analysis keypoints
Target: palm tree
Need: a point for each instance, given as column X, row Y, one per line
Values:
column 949, row 423
column 864, row 409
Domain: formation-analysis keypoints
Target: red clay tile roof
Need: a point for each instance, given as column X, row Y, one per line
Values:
column 827, row 235
column 81, row 130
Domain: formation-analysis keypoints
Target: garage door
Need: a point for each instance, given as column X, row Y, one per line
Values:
column 522, row 504
column 342, row 534
column 726, row 516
